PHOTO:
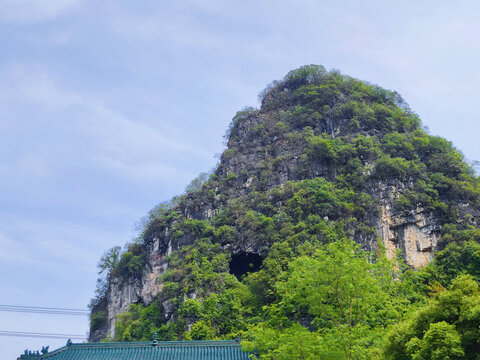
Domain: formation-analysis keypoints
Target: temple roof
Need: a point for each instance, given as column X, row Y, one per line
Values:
column 163, row 350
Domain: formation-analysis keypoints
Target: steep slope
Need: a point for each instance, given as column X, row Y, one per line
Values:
column 326, row 157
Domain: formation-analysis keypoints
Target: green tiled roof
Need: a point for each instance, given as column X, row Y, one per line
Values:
column 164, row 350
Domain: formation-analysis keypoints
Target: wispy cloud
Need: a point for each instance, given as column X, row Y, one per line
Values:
column 35, row 10
column 86, row 129
column 12, row 251
column 180, row 30
column 31, row 83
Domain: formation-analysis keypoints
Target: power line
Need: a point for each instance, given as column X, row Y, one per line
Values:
column 43, row 310
column 43, row 307
column 46, row 312
column 42, row 335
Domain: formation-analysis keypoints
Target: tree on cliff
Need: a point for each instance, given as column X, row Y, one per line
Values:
column 109, row 260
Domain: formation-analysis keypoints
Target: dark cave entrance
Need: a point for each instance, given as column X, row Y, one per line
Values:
column 243, row 263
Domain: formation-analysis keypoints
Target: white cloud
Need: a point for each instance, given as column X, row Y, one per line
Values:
column 35, row 10
column 15, row 251
column 32, row 84
column 86, row 130
column 178, row 30
column 52, row 244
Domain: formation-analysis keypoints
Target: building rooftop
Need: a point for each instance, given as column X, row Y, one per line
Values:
column 140, row 350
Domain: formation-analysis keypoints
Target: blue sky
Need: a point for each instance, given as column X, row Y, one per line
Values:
column 109, row 107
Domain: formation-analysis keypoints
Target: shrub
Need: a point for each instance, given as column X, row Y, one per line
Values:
column 97, row 320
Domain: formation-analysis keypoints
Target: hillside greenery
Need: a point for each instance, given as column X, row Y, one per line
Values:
column 318, row 294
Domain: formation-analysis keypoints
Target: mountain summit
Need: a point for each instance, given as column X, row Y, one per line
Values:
column 326, row 157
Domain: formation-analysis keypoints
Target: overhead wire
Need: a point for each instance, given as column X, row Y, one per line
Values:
column 42, row 335
column 43, row 310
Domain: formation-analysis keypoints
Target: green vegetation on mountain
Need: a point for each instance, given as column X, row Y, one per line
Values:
column 297, row 194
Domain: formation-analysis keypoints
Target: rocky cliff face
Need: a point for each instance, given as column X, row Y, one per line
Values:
column 321, row 124
column 415, row 233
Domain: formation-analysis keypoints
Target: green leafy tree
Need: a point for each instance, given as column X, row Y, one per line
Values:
column 448, row 327
column 457, row 259
column 440, row 342
column 340, row 295
column 109, row 260
column 294, row 342
column 197, row 183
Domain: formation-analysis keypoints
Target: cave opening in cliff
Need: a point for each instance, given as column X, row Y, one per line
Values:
column 245, row 262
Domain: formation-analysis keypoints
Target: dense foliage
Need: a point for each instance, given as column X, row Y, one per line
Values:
column 317, row 294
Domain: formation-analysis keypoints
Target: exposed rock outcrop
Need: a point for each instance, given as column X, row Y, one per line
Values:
column 122, row 293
